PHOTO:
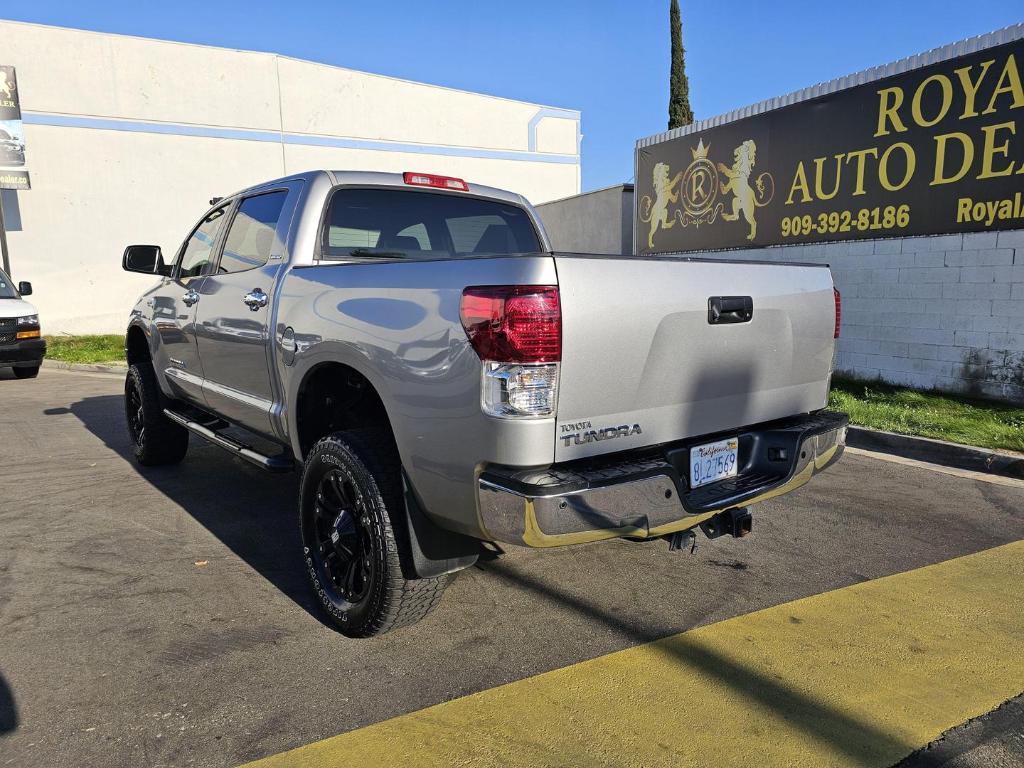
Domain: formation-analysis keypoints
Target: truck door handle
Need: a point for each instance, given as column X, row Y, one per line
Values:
column 190, row 298
column 255, row 299
column 730, row 309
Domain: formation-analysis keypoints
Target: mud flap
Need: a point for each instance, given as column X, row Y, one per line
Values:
column 431, row 551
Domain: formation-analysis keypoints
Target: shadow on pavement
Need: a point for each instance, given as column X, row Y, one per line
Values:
column 8, row 710
column 861, row 741
column 253, row 513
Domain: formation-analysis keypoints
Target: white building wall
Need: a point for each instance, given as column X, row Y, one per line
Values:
column 128, row 138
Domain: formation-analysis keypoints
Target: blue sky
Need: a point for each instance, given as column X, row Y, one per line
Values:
column 607, row 58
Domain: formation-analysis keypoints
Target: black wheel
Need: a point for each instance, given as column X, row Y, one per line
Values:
column 26, row 373
column 157, row 439
column 348, row 498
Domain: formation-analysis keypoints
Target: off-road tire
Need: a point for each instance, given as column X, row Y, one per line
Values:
column 26, row 373
column 160, row 440
column 368, row 459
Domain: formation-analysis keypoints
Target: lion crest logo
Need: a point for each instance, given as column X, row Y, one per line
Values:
column 6, row 86
column 691, row 196
column 745, row 200
column 656, row 214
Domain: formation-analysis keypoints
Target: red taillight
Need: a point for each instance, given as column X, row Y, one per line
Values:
column 513, row 323
column 430, row 180
column 839, row 310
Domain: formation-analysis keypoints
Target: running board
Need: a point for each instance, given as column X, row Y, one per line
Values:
column 270, row 463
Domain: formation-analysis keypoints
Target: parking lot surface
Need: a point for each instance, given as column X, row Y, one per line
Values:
column 161, row 617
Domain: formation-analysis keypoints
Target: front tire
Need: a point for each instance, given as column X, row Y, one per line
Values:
column 157, row 439
column 26, row 373
column 349, row 501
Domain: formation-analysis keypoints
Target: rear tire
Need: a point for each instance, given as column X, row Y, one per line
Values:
column 26, row 373
column 349, row 504
column 157, row 439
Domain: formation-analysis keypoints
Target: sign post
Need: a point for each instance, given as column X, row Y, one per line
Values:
column 12, row 149
column 3, row 240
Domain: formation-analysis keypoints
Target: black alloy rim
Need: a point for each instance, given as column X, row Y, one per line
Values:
column 341, row 529
column 133, row 410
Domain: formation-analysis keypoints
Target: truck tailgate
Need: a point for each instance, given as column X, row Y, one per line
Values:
column 640, row 351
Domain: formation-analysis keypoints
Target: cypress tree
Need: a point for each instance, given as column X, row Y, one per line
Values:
column 679, row 112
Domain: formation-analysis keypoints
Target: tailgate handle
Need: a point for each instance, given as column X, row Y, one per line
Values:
column 730, row 309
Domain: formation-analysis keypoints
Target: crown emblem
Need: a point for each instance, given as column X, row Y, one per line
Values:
column 700, row 152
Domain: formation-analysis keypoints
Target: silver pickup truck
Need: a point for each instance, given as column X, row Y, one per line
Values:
column 442, row 379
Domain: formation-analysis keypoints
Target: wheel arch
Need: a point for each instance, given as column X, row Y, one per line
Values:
column 332, row 396
column 136, row 345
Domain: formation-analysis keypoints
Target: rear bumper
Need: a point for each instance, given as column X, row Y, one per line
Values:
column 646, row 493
column 25, row 353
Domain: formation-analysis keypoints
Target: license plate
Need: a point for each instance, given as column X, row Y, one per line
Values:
column 713, row 461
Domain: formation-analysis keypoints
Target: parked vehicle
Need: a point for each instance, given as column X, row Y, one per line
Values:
column 442, row 378
column 22, row 347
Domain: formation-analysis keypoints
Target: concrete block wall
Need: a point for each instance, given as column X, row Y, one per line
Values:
column 943, row 312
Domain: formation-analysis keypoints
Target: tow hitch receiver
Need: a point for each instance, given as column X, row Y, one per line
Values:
column 736, row 522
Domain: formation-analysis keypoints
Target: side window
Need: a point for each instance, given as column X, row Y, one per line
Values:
column 250, row 240
column 198, row 254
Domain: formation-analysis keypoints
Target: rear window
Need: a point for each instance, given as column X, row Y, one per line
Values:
column 398, row 223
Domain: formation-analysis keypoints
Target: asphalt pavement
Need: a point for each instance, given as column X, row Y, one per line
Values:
column 161, row 616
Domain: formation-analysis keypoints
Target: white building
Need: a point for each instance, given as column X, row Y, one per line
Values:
column 128, row 138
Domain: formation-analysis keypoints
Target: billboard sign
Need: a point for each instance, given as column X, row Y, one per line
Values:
column 12, row 134
column 937, row 149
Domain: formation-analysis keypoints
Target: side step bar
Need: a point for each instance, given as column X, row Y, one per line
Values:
column 269, row 463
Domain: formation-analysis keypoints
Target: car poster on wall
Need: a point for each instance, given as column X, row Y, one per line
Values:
column 13, row 173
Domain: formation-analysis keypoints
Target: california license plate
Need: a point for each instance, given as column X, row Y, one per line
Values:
column 713, row 461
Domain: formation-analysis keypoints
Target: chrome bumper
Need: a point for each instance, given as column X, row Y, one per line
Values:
column 648, row 495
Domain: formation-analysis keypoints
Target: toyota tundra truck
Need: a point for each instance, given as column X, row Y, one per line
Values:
column 411, row 344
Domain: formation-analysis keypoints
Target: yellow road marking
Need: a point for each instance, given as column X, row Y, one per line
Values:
column 860, row 676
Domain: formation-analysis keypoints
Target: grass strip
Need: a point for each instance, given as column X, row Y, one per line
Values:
column 955, row 418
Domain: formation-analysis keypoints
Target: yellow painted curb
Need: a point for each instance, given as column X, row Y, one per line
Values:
column 860, row 676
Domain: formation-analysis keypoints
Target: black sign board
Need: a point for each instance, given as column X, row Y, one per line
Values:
column 14, row 179
column 934, row 150
column 12, row 134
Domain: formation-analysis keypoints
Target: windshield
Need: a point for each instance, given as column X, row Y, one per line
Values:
column 398, row 223
column 7, row 290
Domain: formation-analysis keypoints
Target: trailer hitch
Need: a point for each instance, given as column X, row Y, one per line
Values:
column 737, row 522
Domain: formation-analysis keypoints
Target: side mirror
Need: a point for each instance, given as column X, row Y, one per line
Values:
column 25, row 288
column 146, row 259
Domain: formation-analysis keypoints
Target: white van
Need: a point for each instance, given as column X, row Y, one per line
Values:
column 21, row 343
